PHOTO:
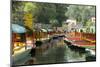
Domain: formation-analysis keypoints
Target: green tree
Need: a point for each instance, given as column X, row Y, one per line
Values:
column 80, row 13
column 61, row 9
column 17, row 12
column 43, row 12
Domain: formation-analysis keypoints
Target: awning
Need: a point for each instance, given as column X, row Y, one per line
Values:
column 49, row 30
column 17, row 28
column 44, row 30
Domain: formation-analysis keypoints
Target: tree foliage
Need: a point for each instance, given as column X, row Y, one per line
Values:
column 43, row 12
column 47, row 12
column 80, row 13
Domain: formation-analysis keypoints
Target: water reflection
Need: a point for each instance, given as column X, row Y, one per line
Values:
column 56, row 50
column 60, row 52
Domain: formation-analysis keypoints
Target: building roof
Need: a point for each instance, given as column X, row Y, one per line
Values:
column 79, row 25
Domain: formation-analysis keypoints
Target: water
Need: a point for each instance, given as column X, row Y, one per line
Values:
column 59, row 52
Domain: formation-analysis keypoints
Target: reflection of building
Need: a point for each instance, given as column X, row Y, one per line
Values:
column 69, row 25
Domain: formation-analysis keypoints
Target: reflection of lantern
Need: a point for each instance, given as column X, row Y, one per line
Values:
column 15, row 45
column 17, row 37
column 29, row 43
column 19, row 44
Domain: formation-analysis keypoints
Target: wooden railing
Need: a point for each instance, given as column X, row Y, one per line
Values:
column 84, row 36
column 89, row 37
